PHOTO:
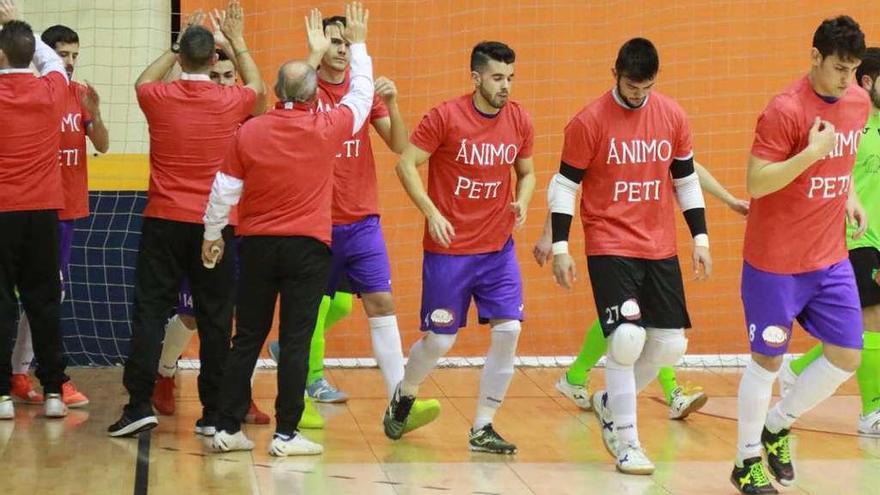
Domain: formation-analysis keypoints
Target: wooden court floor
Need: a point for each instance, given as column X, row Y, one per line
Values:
column 560, row 450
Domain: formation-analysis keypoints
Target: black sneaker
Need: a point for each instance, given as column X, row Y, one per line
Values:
column 486, row 439
column 778, row 448
column 397, row 414
column 205, row 428
column 752, row 479
column 130, row 424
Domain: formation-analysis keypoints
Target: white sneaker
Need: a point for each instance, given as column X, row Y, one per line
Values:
column 283, row 445
column 54, row 406
column 786, row 378
column 869, row 425
column 578, row 394
column 7, row 408
column 606, row 422
column 227, row 442
column 685, row 401
column 633, row 460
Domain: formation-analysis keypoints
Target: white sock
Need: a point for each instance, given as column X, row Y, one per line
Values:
column 816, row 383
column 755, row 389
column 423, row 357
column 645, row 372
column 23, row 352
column 497, row 372
column 620, row 383
column 177, row 337
column 387, row 350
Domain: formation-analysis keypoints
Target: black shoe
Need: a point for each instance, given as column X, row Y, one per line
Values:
column 397, row 413
column 205, row 428
column 752, row 479
column 486, row 439
column 778, row 448
column 130, row 424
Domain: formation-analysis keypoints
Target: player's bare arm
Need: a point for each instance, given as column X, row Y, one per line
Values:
column 233, row 30
column 561, row 198
column 855, row 213
column 710, row 184
column 525, row 187
column 97, row 131
column 392, row 129
column 161, row 68
column 407, row 170
column 766, row 177
column 543, row 251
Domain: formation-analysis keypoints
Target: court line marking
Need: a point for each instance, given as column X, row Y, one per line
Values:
column 142, row 466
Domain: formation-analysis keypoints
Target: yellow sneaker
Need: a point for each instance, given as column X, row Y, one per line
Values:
column 311, row 418
column 422, row 413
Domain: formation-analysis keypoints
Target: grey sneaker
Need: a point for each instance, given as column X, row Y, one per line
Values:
column 322, row 391
column 486, row 439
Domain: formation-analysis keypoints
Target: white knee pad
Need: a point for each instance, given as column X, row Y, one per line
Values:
column 626, row 343
column 438, row 344
column 665, row 346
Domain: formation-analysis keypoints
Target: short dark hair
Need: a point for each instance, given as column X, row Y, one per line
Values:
column 221, row 55
column 336, row 19
column 491, row 50
column 840, row 36
column 17, row 42
column 59, row 34
column 870, row 65
column 197, row 47
column 638, row 60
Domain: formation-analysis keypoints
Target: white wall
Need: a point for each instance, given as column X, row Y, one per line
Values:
column 118, row 39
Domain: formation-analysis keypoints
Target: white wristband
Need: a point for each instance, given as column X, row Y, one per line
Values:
column 701, row 240
column 560, row 247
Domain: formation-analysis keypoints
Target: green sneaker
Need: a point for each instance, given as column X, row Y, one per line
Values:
column 778, row 448
column 422, row 413
column 751, row 478
column 486, row 439
column 396, row 414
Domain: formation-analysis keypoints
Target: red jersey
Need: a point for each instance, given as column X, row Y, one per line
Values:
column 192, row 123
column 31, row 108
column 72, row 155
column 628, row 202
column 355, row 191
column 800, row 227
column 469, row 170
column 288, row 189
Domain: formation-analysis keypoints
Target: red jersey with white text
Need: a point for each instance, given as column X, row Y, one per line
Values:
column 628, row 203
column 469, row 172
column 30, row 110
column 355, row 191
column 288, row 187
column 72, row 155
column 800, row 228
column 192, row 123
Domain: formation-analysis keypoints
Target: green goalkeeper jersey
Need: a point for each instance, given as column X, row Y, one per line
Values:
column 866, row 176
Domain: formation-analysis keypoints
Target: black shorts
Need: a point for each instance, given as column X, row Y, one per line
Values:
column 648, row 293
column 866, row 262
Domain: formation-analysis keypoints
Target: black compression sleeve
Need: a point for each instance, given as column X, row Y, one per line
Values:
column 573, row 174
column 696, row 220
column 681, row 168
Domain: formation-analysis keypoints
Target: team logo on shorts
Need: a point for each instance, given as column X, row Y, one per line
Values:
column 630, row 310
column 775, row 336
column 442, row 317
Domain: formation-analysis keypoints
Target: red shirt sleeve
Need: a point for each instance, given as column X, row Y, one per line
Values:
column 776, row 134
column 379, row 110
column 247, row 99
column 528, row 135
column 429, row 134
column 148, row 96
column 579, row 145
column 684, row 142
column 233, row 165
column 58, row 89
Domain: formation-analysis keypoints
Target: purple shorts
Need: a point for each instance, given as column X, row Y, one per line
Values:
column 359, row 252
column 65, row 246
column 184, row 294
column 825, row 302
column 450, row 281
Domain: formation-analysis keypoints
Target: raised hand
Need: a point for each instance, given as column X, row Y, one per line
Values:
column 194, row 19
column 319, row 43
column 233, row 25
column 90, row 100
column 217, row 18
column 356, row 19
column 822, row 137
column 7, row 12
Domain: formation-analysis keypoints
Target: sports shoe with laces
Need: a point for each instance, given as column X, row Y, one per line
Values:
column 633, row 460
column 486, row 439
column 163, row 395
column 606, row 422
column 22, row 388
column 686, row 400
column 751, row 478
column 778, row 448
column 579, row 394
